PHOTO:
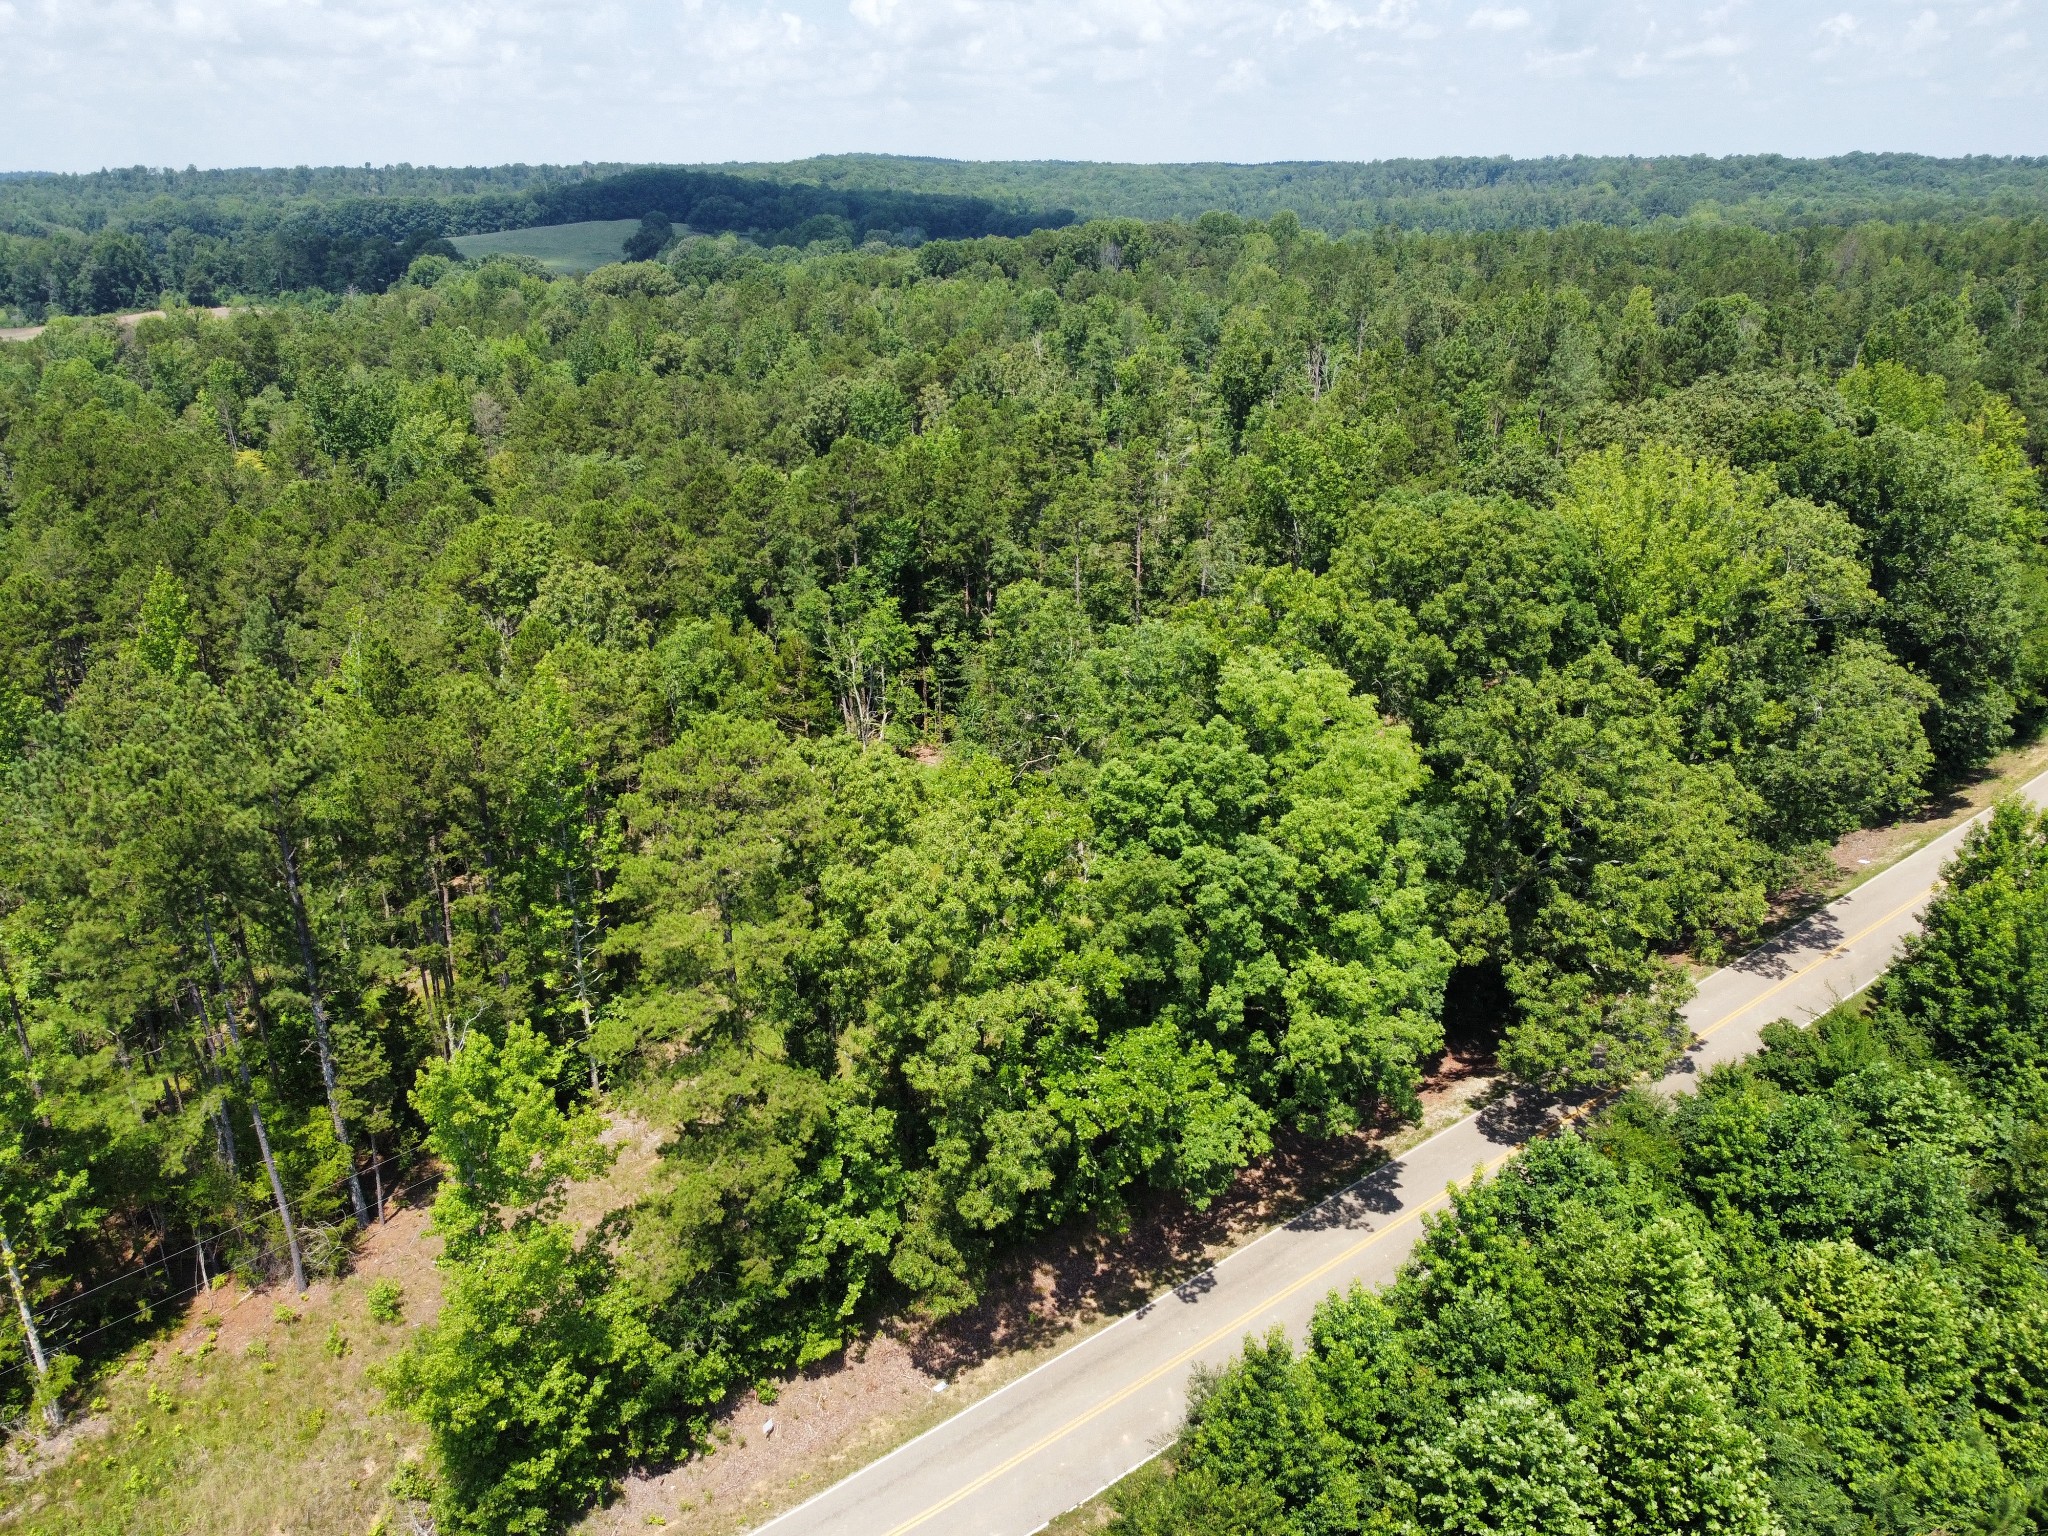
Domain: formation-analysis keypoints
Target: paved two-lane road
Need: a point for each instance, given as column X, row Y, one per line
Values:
column 1052, row 1439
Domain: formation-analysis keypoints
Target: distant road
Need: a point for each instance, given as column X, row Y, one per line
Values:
column 1054, row 1438
column 31, row 332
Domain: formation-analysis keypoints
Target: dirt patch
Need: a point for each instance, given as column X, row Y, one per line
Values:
column 30, row 1456
column 126, row 322
column 400, row 1249
column 636, row 1156
column 1863, row 853
column 904, row 1379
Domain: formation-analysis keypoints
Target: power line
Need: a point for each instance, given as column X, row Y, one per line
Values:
column 164, row 1260
column 146, row 1309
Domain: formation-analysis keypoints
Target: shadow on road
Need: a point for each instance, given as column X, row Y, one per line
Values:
column 1034, row 1297
column 1377, row 1194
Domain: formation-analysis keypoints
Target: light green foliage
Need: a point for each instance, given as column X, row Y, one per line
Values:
column 1679, row 1459
column 565, row 249
column 163, row 638
column 969, row 736
column 536, row 1376
column 1507, row 1465
column 385, row 1301
column 1261, row 1424
column 1280, row 827
column 493, row 1122
column 1894, row 393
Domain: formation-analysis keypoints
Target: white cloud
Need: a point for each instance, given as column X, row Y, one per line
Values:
column 1925, row 31
column 1242, row 76
column 1573, row 62
column 469, row 81
column 1719, row 46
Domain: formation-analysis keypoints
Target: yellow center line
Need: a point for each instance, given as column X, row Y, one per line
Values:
column 1823, row 958
column 1267, row 1304
column 1227, row 1330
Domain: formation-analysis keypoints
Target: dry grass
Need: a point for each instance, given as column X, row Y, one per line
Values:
column 1863, row 854
column 256, row 1416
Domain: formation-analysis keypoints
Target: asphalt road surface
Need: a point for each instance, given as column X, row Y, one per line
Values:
column 1010, row 1463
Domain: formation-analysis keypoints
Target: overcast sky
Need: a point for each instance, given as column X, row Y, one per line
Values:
column 87, row 83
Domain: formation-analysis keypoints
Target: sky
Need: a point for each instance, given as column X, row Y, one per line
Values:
column 91, row 83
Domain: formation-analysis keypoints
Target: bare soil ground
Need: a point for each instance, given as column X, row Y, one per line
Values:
column 255, row 1413
column 127, row 322
column 1862, row 854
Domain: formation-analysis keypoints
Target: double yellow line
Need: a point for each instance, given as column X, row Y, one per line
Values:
column 1413, row 1213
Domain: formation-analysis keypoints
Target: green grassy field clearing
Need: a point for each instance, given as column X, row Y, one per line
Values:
column 565, row 249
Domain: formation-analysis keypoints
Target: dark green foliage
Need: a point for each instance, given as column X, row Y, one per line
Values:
column 1784, row 1305
column 95, row 244
column 1471, row 192
column 972, row 739
column 1972, row 984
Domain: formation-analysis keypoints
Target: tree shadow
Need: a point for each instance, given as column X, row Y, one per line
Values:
column 1377, row 1194
column 1520, row 1114
column 1165, row 1246
column 1778, row 957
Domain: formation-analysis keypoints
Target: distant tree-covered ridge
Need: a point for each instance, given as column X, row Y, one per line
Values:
column 90, row 244
column 959, row 739
column 1477, row 192
column 96, row 243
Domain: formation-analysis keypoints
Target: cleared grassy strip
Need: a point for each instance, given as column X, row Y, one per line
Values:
column 258, row 1415
column 566, row 249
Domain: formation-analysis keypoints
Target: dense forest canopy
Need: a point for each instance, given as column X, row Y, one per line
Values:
column 91, row 244
column 1806, row 1299
column 98, row 243
column 963, row 739
column 1478, row 192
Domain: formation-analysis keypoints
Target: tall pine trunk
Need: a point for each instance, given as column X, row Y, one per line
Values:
column 582, row 980
column 36, row 1356
column 28, row 1055
column 284, row 1208
column 327, row 1073
column 223, row 1127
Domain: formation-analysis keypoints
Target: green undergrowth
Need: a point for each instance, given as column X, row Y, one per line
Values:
column 280, row 1428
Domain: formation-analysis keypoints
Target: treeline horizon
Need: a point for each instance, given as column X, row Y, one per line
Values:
column 1471, row 193
column 959, row 740
column 95, row 242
